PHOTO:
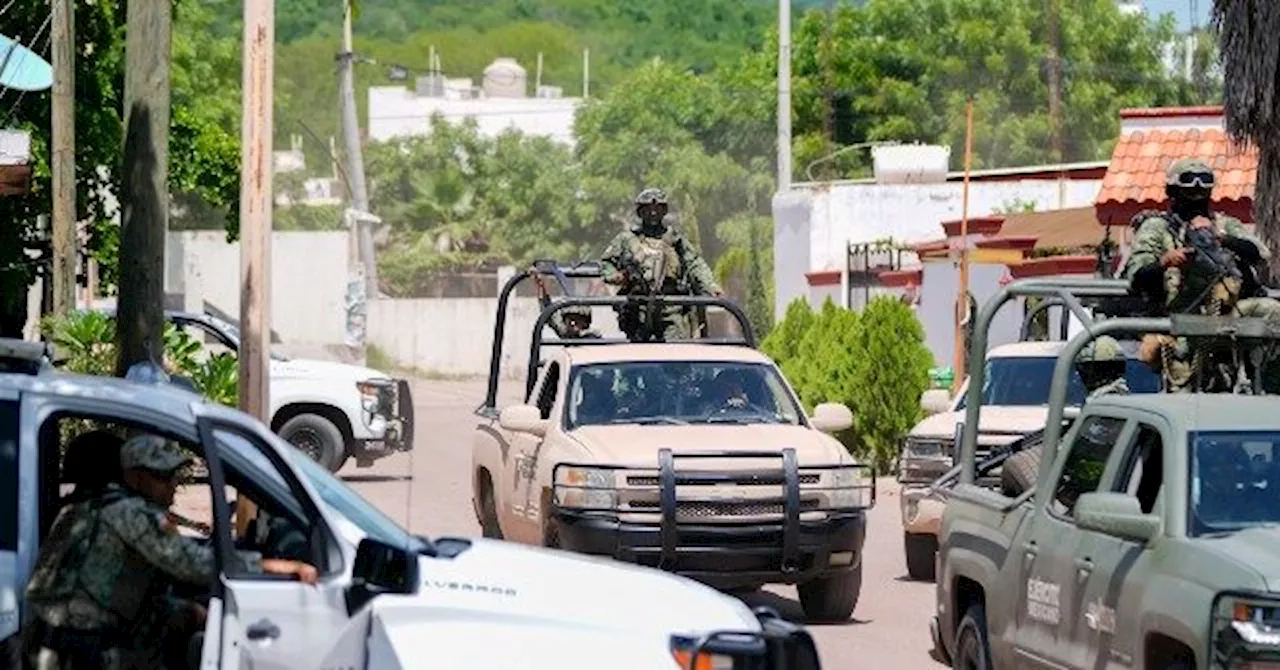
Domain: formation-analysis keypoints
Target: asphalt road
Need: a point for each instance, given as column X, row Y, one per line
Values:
column 429, row 491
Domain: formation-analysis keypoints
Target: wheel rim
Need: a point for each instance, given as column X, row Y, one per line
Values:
column 969, row 654
column 308, row 441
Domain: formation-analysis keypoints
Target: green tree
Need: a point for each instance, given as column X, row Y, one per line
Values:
column 782, row 343
column 889, row 371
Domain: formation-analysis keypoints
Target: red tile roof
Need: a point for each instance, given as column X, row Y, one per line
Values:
column 1135, row 179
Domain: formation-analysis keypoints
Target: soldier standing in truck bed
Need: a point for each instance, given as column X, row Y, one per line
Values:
column 651, row 255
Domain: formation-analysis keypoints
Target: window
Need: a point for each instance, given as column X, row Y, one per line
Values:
column 279, row 528
column 1025, row 380
column 8, row 476
column 679, row 392
column 1234, row 482
column 550, row 383
column 1082, row 471
column 1143, row 476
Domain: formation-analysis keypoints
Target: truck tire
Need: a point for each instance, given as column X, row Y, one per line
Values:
column 921, row 549
column 317, row 437
column 1018, row 473
column 832, row 598
column 972, row 647
column 489, row 512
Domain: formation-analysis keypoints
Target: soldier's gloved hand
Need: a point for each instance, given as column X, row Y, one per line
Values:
column 1174, row 258
column 717, row 292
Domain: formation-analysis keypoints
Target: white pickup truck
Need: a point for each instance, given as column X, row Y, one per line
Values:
column 332, row 411
column 385, row 598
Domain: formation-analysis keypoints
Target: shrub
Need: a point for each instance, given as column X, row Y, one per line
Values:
column 891, row 370
column 86, row 342
column 783, row 340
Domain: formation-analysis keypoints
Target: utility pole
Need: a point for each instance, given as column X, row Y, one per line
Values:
column 355, row 155
column 1055, row 80
column 63, row 158
column 784, row 95
column 255, row 218
column 144, row 193
column 962, row 297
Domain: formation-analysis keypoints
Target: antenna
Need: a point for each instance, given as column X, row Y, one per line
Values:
column 537, row 82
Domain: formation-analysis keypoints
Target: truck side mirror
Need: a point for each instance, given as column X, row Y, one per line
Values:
column 1117, row 514
column 935, row 401
column 381, row 568
column 523, row 419
column 831, row 417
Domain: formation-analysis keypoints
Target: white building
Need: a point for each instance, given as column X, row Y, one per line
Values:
column 501, row 102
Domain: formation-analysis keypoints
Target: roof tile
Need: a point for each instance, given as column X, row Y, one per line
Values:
column 1140, row 159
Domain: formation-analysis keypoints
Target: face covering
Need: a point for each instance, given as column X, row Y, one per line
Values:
column 1188, row 206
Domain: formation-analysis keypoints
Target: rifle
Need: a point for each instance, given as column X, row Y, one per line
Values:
column 636, row 284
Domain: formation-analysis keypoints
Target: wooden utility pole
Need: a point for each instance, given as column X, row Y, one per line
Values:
column 62, row 158
column 1055, row 80
column 255, row 219
column 962, row 297
column 144, row 193
column 355, row 154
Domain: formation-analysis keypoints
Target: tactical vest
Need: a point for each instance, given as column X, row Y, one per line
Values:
column 1210, row 282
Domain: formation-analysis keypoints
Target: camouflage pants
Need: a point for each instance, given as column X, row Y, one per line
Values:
column 671, row 324
column 1179, row 360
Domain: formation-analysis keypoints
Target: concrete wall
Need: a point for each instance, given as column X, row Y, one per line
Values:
column 308, row 281
column 791, row 212
column 454, row 335
column 937, row 307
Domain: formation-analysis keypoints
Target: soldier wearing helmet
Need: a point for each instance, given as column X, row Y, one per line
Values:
column 651, row 255
column 572, row 322
column 1192, row 260
column 1101, row 366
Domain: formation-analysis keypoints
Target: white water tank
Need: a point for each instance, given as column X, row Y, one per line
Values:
column 910, row 163
column 504, row 78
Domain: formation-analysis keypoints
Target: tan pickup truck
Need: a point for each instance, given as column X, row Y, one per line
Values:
column 695, row 457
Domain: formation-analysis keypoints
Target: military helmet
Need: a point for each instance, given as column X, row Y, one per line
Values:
column 1190, row 173
column 583, row 311
column 651, row 196
column 1101, row 350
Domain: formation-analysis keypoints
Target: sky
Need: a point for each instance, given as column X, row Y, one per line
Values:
column 1181, row 9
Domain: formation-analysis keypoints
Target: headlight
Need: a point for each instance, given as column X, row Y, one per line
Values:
column 925, row 449
column 845, row 488
column 682, row 652
column 1246, row 633
column 585, row 488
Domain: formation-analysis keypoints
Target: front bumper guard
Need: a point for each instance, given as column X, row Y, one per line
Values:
column 670, row 478
column 395, row 404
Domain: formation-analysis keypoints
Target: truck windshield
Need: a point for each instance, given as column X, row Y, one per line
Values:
column 1234, row 481
column 1020, row 381
column 679, row 392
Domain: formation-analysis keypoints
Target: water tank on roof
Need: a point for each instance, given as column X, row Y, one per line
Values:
column 910, row 163
column 504, row 78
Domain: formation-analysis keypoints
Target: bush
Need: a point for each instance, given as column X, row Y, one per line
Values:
column 891, row 370
column 86, row 342
column 875, row 362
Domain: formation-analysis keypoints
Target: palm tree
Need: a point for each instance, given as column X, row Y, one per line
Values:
column 1247, row 35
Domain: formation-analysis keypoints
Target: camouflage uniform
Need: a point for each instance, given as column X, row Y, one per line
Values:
column 1212, row 281
column 646, row 244
column 566, row 331
column 102, row 570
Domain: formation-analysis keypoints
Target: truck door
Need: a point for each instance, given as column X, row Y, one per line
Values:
column 527, row 499
column 1112, row 603
column 1050, row 586
column 12, row 577
column 275, row 622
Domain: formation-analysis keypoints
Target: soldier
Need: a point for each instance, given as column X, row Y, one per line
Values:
column 1101, row 366
column 96, row 584
column 569, row 323
column 1189, row 259
column 650, row 246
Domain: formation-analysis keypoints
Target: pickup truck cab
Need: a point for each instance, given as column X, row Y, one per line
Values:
column 385, row 598
column 689, row 456
column 1147, row 541
column 332, row 411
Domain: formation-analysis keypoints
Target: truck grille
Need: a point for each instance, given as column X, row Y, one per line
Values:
column 761, row 479
column 707, row 510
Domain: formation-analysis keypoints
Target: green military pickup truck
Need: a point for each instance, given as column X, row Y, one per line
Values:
column 1151, row 537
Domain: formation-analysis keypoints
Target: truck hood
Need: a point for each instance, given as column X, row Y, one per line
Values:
column 556, row 610
column 302, row 368
column 632, row 445
column 999, row 418
column 1253, row 548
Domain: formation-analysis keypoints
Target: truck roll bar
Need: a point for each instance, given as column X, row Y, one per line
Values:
column 748, row 338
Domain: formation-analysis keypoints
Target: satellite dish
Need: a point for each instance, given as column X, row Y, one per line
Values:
column 21, row 68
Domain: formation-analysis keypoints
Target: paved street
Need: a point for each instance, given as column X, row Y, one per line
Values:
column 889, row 628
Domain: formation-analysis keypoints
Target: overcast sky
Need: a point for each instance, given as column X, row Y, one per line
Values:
column 1181, row 9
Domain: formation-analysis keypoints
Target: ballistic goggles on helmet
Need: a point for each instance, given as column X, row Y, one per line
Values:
column 1195, row 179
